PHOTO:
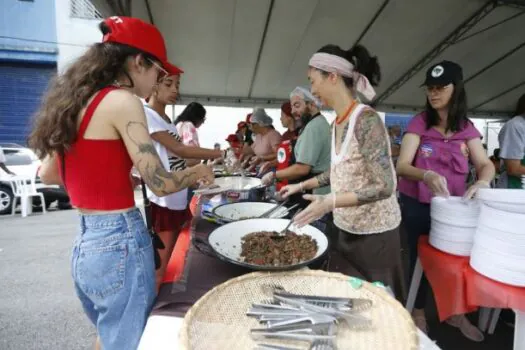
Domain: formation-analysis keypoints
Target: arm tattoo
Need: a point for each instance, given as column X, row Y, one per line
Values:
column 324, row 178
column 151, row 168
column 143, row 147
column 374, row 146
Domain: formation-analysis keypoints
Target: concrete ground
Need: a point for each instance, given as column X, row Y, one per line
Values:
column 39, row 309
column 38, row 305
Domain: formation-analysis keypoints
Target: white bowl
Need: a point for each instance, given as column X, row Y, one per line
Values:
column 247, row 210
column 226, row 240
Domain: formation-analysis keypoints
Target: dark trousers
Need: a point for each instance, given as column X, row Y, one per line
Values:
column 416, row 220
column 371, row 257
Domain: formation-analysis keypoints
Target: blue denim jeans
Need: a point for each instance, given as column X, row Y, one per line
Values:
column 114, row 273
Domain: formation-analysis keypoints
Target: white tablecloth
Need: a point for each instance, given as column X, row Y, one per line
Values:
column 161, row 330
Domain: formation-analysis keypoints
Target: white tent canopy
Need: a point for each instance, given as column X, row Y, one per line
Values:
column 254, row 52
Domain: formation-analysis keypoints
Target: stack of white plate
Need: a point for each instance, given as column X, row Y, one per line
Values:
column 453, row 224
column 499, row 243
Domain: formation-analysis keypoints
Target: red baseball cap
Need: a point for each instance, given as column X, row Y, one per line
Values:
column 141, row 35
column 232, row 138
column 241, row 125
column 286, row 107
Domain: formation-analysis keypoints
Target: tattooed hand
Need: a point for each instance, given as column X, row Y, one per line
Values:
column 374, row 145
column 324, row 178
column 204, row 174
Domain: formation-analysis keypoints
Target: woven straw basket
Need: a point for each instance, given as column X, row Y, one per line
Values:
column 218, row 320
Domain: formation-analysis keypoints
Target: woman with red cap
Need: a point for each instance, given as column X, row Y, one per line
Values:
column 283, row 158
column 169, row 213
column 235, row 144
column 91, row 130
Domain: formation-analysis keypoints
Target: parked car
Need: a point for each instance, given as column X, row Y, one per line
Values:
column 23, row 162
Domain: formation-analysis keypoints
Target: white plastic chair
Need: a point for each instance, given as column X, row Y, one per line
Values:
column 25, row 191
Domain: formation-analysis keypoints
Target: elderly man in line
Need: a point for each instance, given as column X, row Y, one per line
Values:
column 311, row 152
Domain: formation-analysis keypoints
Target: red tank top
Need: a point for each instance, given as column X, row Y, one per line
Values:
column 97, row 172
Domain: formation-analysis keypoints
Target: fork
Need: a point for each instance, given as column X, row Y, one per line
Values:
column 324, row 344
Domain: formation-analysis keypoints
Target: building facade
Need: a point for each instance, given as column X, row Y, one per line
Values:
column 37, row 39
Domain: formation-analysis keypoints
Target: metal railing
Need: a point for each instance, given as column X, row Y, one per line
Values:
column 84, row 9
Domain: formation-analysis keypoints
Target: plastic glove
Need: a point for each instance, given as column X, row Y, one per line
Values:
column 264, row 168
column 205, row 174
column 231, row 162
column 321, row 205
column 289, row 190
column 436, row 183
column 255, row 160
column 268, row 178
column 471, row 192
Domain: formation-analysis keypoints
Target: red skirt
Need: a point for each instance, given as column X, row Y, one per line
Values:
column 165, row 219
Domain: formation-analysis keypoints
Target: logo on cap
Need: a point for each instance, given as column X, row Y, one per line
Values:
column 437, row 71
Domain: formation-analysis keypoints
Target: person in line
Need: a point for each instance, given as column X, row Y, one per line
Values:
column 187, row 123
column 90, row 131
column 395, row 141
column 434, row 161
column 311, row 152
column 284, row 151
column 512, row 145
column 2, row 163
column 267, row 139
column 170, row 213
column 242, row 129
column 362, row 177
column 235, row 144
column 247, row 141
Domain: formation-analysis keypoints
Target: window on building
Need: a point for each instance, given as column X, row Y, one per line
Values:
column 84, row 9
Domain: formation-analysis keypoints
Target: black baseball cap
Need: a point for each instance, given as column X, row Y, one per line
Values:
column 443, row 73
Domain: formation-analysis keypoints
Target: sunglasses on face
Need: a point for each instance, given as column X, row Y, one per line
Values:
column 437, row 88
column 161, row 72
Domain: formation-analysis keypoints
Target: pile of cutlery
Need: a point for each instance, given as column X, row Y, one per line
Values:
column 305, row 318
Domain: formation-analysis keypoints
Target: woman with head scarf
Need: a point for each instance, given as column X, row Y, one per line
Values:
column 362, row 176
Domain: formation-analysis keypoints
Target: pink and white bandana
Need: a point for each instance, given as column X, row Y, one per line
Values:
column 335, row 64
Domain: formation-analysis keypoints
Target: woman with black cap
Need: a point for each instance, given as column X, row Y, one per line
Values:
column 91, row 130
column 434, row 161
column 362, row 176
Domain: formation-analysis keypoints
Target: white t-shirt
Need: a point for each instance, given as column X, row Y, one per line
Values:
column 174, row 201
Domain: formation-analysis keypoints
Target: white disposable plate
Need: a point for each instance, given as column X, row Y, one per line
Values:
column 480, row 263
column 454, row 248
column 502, row 220
column 452, row 233
column 510, row 207
column 502, row 195
column 500, row 238
column 454, row 211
